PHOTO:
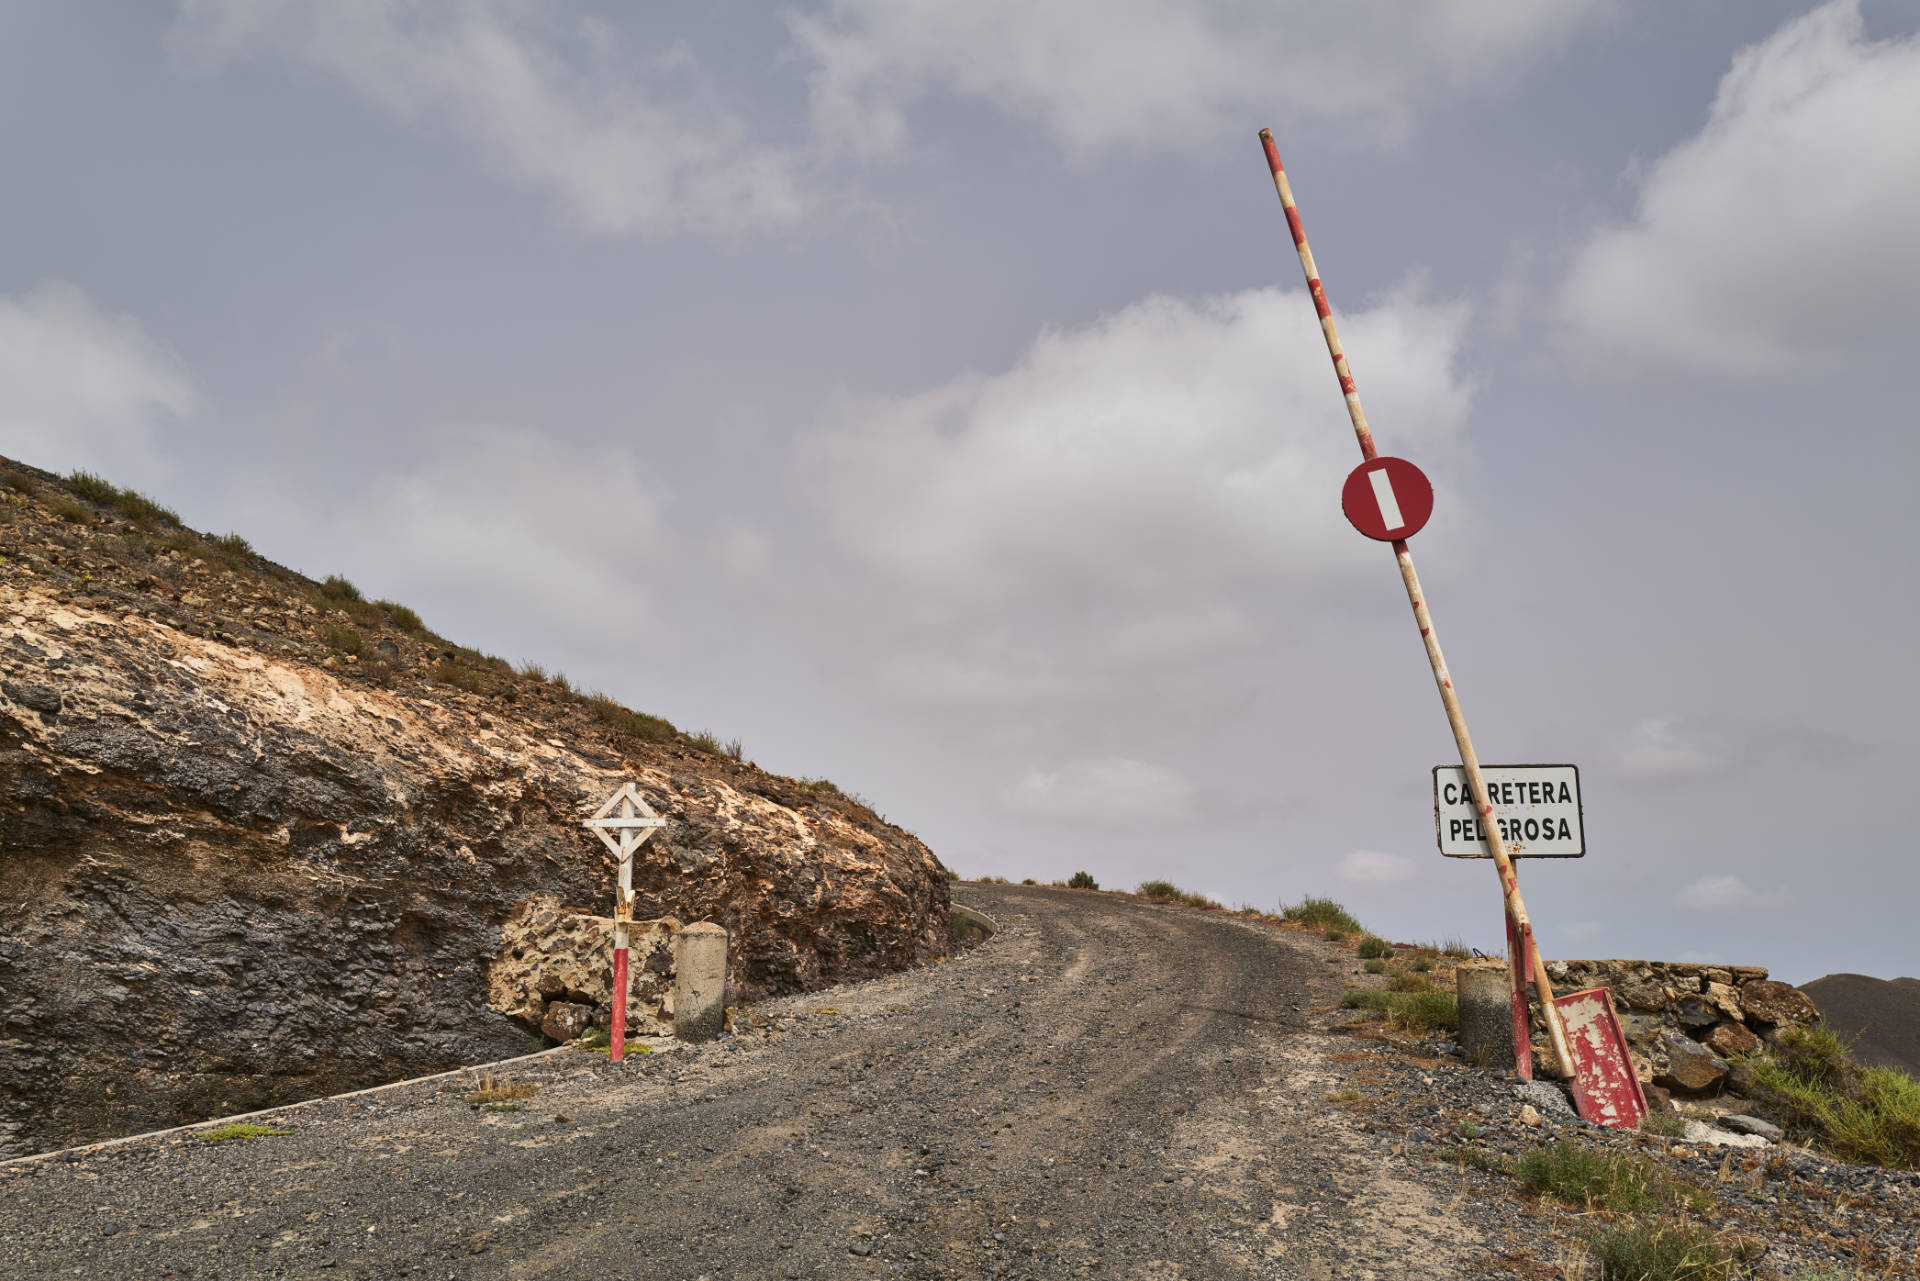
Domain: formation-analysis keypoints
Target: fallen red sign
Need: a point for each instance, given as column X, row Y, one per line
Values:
column 1604, row 1085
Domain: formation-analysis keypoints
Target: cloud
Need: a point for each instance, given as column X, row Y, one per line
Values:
column 82, row 388
column 645, row 148
column 1780, row 238
column 1365, row 867
column 1664, row 749
column 534, row 527
column 1116, row 791
column 1155, row 74
column 1729, row 894
column 1113, row 501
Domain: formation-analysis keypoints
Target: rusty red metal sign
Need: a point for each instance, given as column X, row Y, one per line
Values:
column 1387, row 499
column 1605, row 1088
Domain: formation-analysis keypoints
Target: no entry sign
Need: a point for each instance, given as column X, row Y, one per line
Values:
column 1536, row 806
column 1387, row 498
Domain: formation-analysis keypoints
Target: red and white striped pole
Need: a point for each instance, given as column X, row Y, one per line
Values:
column 623, row 822
column 1516, row 909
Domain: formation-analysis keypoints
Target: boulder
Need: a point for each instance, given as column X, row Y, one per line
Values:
column 1743, row 1124
column 566, row 1020
column 1689, row 1067
column 1766, row 1001
column 1658, row 1099
column 1730, row 1039
column 1694, row 1012
column 1725, row 998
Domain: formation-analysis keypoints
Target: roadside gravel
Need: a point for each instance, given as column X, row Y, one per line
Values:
column 1105, row 1089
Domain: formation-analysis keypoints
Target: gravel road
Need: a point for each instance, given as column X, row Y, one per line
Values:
column 1106, row 1089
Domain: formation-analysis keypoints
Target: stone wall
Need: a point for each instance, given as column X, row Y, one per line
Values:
column 554, row 971
column 1687, row 1025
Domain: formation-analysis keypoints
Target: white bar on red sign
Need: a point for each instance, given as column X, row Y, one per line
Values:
column 1383, row 494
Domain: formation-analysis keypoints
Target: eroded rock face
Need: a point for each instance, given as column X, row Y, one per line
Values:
column 231, row 877
column 551, row 955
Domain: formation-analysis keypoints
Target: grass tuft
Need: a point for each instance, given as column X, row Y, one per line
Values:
column 237, row 1130
column 403, row 618
column 1375, row 967
column 1372, row 946
column 1320, row 913
column 1425, row 1011
column 1168, row 892
column 501, row 1091
column 339, row 588
column 344, row 639
column 93, row 488
column 1662, row 1251
column 1866, row 1114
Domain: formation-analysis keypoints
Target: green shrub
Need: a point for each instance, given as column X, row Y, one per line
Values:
column 94, row 488
column 1167, row 891
column 1427, row 1011
column 1335, row 936
column 1320, row 913
column 344, row 639
column 1028, row 880
column 826, row 785
column 1580, row 1176
column 706, row 742
column 459, row 675
column 1408, row 983
column 1420, row 964
column 1371, row 946
column 1082, row 881
column 234, row 547
column 403, row 618
column 532, row 670
column 18, row 482
column 68, row 510
column 339, row 588
column 1375, row 967
column 1867, row 1114
column 1668, row 1125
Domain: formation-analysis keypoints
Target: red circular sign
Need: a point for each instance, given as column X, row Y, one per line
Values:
column 1387, row 499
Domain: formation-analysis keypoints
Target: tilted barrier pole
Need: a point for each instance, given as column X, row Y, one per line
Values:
column 1510, row 884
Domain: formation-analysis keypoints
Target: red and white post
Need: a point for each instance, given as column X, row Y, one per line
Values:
column 623, row 823
column 1526, row 954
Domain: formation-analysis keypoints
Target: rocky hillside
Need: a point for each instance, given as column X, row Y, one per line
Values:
column 258, row 836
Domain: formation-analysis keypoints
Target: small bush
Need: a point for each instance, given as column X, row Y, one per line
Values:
column 1408, row 983
column 560, row 682
column 1657, row 1251
column 68, row 510
column 143, row 511
column 1427, row 1011
column 339, row 588
column 237, row 1130
column 1082, row 881
column 1375, row 967
column 1371, row 946
column 380, row 672
column 735, row 748
column 1335, row 936
column 532, row 670
column 1668, row 1125
column 1028, row 881
column 1320, row 913
column 344, row 639
column 403, row 618
column 1420, row 964
column 826, row 785
column 95, row 488
column 1455, row 948
column 460, row 676
column 1579, row 1176
column 706, row 742
column 952, row 875
column 234, row 547
column 1167, row 891
column 18, row 482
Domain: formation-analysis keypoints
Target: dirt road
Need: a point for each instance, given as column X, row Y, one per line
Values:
column 1107, row 1089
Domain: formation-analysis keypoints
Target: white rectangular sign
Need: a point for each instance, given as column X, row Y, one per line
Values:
column 1537, row 807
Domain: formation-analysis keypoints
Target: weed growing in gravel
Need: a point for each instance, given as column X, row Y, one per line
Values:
column 1668, row 1125
column 1664, row 1252
column 1375, row 967
column 1425, row 1011
column 1868, row 1114
column 1605, row 1181
column 501, row 1091
column 1319, row 913
column 1167, row 891
column 1420, row 964
column 1371, row 946
column 237, row 1130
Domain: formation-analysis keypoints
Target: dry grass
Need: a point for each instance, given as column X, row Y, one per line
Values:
column 493, row 1091
column 1321, row 914
column 237, row 1130
column 1867, row 1114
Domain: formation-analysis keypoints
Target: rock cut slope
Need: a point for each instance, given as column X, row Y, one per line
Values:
column 258, row 837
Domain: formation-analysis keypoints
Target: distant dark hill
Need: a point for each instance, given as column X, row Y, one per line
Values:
column 1883, row 1013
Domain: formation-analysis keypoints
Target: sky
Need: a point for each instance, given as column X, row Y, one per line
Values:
column 927, row 395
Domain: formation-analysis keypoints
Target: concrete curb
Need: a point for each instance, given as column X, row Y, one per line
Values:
column 978, row 919
column 103, row 1144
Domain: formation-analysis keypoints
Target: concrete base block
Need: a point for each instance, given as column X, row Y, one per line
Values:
column 700, row 982
column 1485, row 991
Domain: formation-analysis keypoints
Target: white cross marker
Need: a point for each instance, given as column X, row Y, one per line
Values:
column 623, row 823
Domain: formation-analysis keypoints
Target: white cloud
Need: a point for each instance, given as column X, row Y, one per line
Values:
column 1780, row 238
column 1729, row 894
column 537, row 527
column 81, row 388
column 1116, row 791
column 644, row 148
column 1365, row 867
column 1122, row 498
column 1167, row 73
column 1665, row 749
